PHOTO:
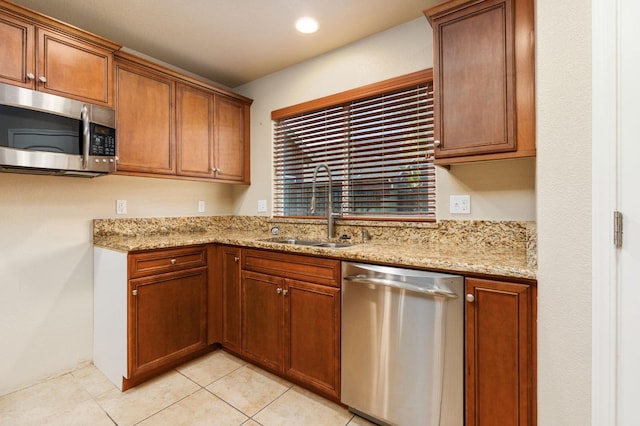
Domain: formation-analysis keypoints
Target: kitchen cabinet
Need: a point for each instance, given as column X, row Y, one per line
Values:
column 210, row 135
column 231, row 139
column 500, row 353
column 231, row 301
column 144, row 119
column 172, row 126
column 291, row 317
column 42, row 54
column 484, row 100
column 164, row 318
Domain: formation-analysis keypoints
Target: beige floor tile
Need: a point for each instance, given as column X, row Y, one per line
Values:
column 249, row 389
column 300, row 407
column 42, row 400
column 200, row 409
column 82, row 414
column 93, row 380
column 251, row 423
column 209, row 368
column 146, row 399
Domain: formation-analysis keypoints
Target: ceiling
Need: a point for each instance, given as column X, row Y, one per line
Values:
column 231, row 41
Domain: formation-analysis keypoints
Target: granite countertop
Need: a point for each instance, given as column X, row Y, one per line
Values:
column 494, row 261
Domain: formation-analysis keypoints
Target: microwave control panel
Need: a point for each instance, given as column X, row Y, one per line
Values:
column 103, row 140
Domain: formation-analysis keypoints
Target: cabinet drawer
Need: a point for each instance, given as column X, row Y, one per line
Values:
column 306, row 268
column 155, row 262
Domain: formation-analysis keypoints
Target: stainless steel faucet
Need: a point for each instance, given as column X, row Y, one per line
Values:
column 312, row 209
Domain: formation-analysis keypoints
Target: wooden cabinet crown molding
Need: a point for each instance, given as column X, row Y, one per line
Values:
column 56, row 25
column 179, row 75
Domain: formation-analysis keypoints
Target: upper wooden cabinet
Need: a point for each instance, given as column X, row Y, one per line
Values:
column 483, row 80
column 144, row 120
column 211, row 134
column 231, row 130
column 40, row 53
column 170, row 125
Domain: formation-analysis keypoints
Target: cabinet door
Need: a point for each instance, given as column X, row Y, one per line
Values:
column 231, row 299
column 194, row 131
column 262, row 319
column 144, row 119
column 16, row 51
column 474, row 80
column 499, row 353
column 232, row 152
column 70, row 68
column 312, row 335
column 167, row 318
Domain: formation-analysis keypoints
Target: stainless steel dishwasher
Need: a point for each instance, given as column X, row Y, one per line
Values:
column 402, row 345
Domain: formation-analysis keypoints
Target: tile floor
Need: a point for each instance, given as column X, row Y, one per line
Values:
column 216, row 389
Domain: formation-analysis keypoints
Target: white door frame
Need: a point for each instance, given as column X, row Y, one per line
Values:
column 604, row 202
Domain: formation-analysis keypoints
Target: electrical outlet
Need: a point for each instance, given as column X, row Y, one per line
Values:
column 460, row 204
column 121, row 206
column 262, row 206
column 200, row 206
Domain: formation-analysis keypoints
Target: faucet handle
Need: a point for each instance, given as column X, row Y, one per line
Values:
column 312, row 208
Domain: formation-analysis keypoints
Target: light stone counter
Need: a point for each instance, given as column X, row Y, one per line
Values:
column 503, row 249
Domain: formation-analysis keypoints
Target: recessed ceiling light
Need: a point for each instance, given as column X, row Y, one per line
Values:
column 307, row 25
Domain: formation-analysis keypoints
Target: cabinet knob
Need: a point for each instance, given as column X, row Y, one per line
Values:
column 134, row 292
column 30, row 76
column 284, row 292
column 173, row 261
column 470, row 297
column 42, row 79
column 236, row 259
column 436, row 143
column 278, row 290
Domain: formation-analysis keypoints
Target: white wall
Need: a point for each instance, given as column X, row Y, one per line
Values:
column 563, row 74
column 499, row 190
column 46, row 261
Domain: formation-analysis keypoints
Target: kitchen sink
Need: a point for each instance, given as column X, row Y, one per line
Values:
column 300, row 242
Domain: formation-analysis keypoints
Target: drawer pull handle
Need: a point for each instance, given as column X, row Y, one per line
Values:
column 173, row 261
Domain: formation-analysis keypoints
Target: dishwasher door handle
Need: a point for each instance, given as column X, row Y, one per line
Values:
column 400, row 284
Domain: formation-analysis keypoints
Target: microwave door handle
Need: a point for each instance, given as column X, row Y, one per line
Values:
column 84, row 116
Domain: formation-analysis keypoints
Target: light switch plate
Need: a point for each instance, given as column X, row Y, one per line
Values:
column 460, row 204
column 200, row 206
column 262, row 206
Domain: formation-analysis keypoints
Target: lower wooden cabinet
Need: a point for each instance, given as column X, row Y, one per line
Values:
column 150, row 311
column 500, row 353
column 289, row 325
column 167, row 319
column 230, row 299
column 312, row 335
column 262, row 319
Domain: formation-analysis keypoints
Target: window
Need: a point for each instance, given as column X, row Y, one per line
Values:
column 378, row 143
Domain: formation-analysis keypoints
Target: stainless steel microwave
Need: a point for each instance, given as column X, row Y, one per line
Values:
column 47, row 134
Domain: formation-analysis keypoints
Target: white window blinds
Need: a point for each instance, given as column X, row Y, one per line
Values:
column 379, row 150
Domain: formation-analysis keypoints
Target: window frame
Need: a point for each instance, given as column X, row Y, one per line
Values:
column 370, row 91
